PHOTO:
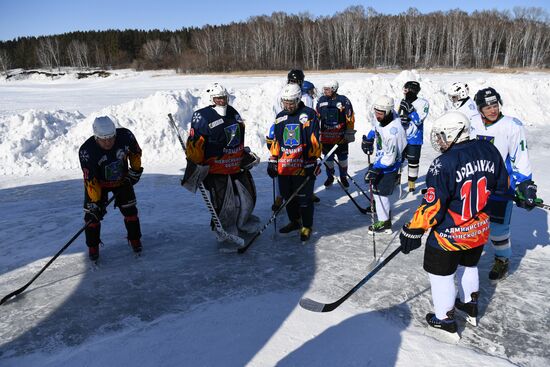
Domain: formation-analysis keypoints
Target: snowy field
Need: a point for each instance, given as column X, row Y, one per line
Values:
column 182, row 303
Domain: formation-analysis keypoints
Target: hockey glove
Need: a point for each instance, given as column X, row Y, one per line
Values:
column 272, row 169
column 194, row 175
column 349, row 136
column 367, row 145
column 134, row 176
column 372, row 174
column 96, row 210
column 405, row 109
column 410, row 238
column 250, row 159
column 526, row 195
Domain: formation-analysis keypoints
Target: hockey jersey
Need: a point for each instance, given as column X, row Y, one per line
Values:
column 108, row 168
column 459, row 183
column 508, row 136
column 415, row 129
column 336, row 116
column 295, row 141
column 390, row 143
column 216, row 141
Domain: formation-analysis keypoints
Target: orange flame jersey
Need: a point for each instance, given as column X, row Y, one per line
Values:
column 108, row 168
column 459, row 183
column 216, row 141
column 336, row 116
column 295, row 141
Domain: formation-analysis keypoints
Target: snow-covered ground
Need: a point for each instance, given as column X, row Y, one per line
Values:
column 183, row 303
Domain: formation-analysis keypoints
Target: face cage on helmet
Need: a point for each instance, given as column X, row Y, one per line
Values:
column 224, row 96
column 455, row 100
column 439, row 141
column 296, row 101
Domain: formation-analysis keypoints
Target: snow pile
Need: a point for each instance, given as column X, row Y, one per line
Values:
column 35, row 141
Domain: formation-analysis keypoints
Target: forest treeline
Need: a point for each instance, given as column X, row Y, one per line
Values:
column 354, row 38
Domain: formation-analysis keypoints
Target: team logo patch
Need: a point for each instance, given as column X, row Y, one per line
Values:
column 233, row 135
column 304, row 118
column 429, row 196
column 84, row 156
column 393, row 131
column 435, row 167
column 191, row 133
column 291, row 135
column 339, row 106
column 490, row 139
column 196, row 117
column 113, row 171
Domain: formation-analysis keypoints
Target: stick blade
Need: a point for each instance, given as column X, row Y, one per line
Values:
column 314, row 306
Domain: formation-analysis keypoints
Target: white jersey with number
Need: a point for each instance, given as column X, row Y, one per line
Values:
column 508, row 136
column 390, row 141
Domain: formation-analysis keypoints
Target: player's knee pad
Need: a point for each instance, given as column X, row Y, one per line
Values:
column 129, row 210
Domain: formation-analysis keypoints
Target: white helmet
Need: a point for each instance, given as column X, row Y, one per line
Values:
column 217, row 90
column 291, row 93
column 104, row 128
column 332, row 84
column 383, row 103
column 453, row 127
column 457, row 92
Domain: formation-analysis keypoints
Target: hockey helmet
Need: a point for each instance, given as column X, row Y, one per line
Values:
column 384, row 104
column 104, row 128
column 296, row 76
column 487, row 97
column 453, row 127
column 457, row 92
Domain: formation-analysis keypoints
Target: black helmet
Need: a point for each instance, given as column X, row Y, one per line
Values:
column 412, row 86
column 486, row 97
column 296, row 76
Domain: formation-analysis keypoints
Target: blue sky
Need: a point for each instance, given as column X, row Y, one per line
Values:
column 34, row 18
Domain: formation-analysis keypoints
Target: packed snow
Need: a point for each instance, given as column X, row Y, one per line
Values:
column 184, row 303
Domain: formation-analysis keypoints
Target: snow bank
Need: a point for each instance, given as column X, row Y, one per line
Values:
column 36, row 141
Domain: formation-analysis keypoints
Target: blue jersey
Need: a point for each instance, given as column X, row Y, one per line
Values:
column 415, row 127
column 108, row 168
column 216, row 141
column 295, row 141
column 459, row 183
column 336, row 116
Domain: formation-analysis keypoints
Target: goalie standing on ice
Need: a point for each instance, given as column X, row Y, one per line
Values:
column 218, row 158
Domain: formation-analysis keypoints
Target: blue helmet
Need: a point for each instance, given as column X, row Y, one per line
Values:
column 307, row 86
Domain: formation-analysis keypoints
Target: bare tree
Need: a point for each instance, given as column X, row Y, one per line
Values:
column 154, row 50
column 5, row 62
column 78, row 54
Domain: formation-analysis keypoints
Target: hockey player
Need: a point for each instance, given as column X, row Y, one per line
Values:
column 337, row 122
column 458, row 183
column 294, row 153
column 508, row 136
column 104, row 161
column 459, row 95
column 294, row 76
column 309, row 89
column 413, row 111
column 217, row 156
column 390, row 143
